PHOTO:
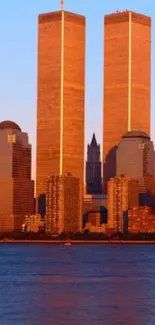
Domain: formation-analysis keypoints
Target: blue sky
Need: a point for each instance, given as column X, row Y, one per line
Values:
column 18, row 58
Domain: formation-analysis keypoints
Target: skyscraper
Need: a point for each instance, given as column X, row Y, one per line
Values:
column 17, row 188
column 93, row 168
column 127, row 80
column 62, row 204
column 135, row 158
column 135, row 155
column 61, row 85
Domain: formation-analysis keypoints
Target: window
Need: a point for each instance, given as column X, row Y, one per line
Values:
column 11, row 138
column 142, row 146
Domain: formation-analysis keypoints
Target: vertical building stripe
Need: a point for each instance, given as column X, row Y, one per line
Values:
column 62, row 92
column 129, row 71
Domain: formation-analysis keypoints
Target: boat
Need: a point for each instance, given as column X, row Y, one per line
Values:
column 68, row 244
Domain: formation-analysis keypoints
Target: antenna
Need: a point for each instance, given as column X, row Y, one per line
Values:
column 62, row 4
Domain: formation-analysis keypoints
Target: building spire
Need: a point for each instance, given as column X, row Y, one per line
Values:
column 62, row 4
column 93, row 141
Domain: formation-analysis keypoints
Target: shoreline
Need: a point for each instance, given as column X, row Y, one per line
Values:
column 80, row 242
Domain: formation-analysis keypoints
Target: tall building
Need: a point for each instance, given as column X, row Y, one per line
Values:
column 17, row 188
column 62, row 204
column 135, row 158
column 127, row 81
column 93, row 168
column 61, row 86
column 123, row 194
column 135, row 155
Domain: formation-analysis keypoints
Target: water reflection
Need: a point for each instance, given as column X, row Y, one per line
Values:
column 100, row 284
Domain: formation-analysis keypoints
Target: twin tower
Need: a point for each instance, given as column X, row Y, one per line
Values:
column 61, row 90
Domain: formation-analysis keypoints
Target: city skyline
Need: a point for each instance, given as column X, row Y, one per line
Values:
column 23, row 106
column 79, row 231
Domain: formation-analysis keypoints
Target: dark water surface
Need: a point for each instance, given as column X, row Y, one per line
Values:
column 78, row 285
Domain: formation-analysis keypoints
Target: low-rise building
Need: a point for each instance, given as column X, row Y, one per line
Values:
column 97, row 229
column 141, row 220
column 33, row 223
column 94, row 205
column 94, row 202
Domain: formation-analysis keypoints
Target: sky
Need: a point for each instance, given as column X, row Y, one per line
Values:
column 18, row 59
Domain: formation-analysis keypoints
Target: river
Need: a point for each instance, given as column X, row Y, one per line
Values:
column 45, row 284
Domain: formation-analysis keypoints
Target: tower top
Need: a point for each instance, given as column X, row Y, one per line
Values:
column 62, row 4
column 93, row 141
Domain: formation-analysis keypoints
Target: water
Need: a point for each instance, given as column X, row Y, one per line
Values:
column 77, row 285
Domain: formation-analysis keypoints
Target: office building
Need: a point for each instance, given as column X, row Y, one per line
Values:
column 135, row 155
column 62, row 204
column 123, row 194
column 93, row 168
column 60, row 107
column 127, row 81
column 135, row 158
column 17, row 188
column 141, row 220
column 33, row 223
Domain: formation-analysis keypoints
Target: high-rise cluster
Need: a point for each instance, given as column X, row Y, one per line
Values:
column 135, row 165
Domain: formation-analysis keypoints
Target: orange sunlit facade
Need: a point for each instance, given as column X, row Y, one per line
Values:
column 62, row 204
column 122, row 195
column 16, row 185
column 141, row 220
column 127, row 81
column 61, row 85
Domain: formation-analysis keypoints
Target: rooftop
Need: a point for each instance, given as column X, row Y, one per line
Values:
column 136, row 134
column 9, row 125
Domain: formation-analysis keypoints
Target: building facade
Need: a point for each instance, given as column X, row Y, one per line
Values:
column 141, row 220
column 62, row 204
column 60, row 111
column 147, row 191
column 122, row 194
column 94, row 204
column 17, row 188
column 93, row 168
column 127, row 81
column 33, row 223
